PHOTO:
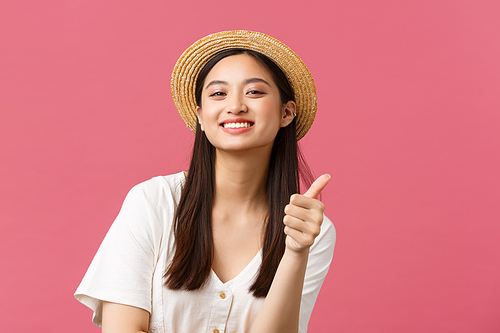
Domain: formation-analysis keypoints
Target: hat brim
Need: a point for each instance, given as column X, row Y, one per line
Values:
column 191, row 62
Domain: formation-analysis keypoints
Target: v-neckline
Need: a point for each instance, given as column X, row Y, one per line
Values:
column 243, row 271
column 241, row 274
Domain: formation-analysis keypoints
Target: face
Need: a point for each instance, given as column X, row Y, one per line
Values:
column 241, row 107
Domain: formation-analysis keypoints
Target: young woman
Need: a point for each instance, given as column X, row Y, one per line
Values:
column 229, row 246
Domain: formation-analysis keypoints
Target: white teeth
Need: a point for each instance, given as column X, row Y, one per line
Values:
column 236, row 125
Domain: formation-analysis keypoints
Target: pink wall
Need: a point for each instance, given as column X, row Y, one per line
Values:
column 408, row 126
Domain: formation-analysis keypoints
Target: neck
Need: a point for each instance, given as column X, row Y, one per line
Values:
column 241, row 179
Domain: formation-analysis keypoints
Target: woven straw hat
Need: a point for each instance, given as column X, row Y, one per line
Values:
column 191, row 62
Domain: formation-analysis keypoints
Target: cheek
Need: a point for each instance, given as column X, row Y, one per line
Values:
column 206, row 114
column 267, row 106
column 274, row 112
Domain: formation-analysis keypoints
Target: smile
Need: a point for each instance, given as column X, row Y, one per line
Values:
column 237, row 125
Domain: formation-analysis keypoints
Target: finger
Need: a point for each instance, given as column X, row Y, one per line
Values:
column 299, row 225
column 297, row 212
column 317, row 186
column 299, row 237
column 294, row 222
column 305, row 214
column 305, row 202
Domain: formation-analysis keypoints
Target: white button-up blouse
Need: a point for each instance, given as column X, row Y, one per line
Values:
column 128, row 269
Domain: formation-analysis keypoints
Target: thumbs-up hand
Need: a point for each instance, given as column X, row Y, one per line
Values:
column 304, row 216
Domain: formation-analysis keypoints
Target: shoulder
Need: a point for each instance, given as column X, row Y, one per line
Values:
column 152, row 202
column 158, row 190
column 171, row 183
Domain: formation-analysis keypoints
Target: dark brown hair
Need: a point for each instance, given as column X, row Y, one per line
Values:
column 192, row 261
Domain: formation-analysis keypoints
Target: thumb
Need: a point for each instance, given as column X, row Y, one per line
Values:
column 317, row 186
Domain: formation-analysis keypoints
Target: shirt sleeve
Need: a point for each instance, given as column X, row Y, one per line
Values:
column 320, row 257
column 122, row 269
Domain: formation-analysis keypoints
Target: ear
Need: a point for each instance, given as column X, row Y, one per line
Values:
column 198, row 112
column 288, row 112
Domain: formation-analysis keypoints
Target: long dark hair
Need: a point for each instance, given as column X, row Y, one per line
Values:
column 192, row 261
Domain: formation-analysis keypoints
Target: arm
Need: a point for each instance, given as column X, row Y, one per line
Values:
column 121, row 318
column 281, row 309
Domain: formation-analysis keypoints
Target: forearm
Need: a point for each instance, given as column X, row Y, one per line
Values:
column 281, row 309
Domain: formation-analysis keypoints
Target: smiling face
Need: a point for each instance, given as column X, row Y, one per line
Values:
column 241, row 107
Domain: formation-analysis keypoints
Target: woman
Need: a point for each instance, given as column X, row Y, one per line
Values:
column 228, row 246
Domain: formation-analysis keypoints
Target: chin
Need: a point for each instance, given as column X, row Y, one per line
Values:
column 245, row 147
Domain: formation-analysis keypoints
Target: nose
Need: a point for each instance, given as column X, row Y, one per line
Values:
column 236, row 104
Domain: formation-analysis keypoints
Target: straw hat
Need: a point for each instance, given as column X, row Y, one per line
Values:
column 191, row 62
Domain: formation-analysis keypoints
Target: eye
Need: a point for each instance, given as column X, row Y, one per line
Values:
column 255, row 92
column 217, row 93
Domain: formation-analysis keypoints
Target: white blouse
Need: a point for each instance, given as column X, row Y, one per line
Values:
column 128, row 269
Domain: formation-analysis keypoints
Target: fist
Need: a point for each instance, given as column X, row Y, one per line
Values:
column 304, row 216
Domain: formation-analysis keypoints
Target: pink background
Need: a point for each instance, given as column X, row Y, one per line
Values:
column 408, row 127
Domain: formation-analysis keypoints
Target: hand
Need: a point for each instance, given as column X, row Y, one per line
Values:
column 304, row 216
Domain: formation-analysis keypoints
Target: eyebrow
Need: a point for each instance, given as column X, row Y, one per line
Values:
column 214, row 82
column 254, row 80
column 247, row 81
